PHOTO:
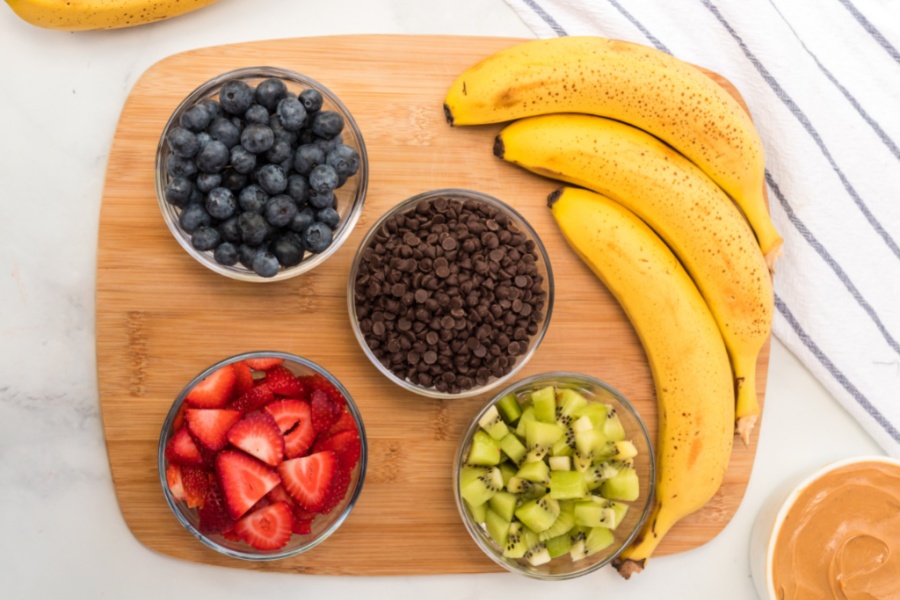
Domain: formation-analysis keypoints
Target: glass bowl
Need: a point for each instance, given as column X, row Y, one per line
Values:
column 349, row 197
column 322, row 526
column 563, row 567
column 526, row 348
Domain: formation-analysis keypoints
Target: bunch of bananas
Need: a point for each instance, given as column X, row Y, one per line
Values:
column 80, row 15
column 672, row 219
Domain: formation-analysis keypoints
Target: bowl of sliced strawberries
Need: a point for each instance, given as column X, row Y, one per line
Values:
column 262, row 456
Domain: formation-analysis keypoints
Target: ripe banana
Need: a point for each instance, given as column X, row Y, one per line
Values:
column 683, row 346
column 80, row 15
column 678, row 201
column 632, row 83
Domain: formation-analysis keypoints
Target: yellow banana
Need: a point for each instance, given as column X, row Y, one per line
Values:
column 683, row 346
column 632, row 83
column 678, row 201
column 79, row 15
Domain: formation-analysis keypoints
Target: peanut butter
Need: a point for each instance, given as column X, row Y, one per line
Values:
column 841, row 538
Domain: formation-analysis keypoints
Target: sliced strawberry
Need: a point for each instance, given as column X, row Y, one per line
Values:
column 214, row 517
column 181, row 449
column 288, row 412
column 279, row 494
column 301, row 526
column 214, row 390
column 325, row 413
column 298, row 441
column 339, row 486
column 232, row 535
column 244, row 480
column 257, row 397
column 210, row 426
column 345, row 422
column 268, row 528
column 243, row 378
column 345, row 445
column 263, row 364
column 178, row 421
column 175, row 482
column 258, row 435
column 283, row 382
column 308, row 479
column 318, row 382
column 196, row 485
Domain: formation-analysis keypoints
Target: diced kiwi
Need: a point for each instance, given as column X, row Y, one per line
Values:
column 590, row 541
column 504, row 504
column 590, row 443
column 544, row 402
column 479, row 489
column 589, row 513
column 538, row 472
column 485, row 450
column 497, row 527
column 624, row 485
column 564, row 446
column 567, row 402
column 596, row 412
column 509, row 408
column 560, row 463
column 527, row 415
column 559, row 546
column 567, row 485
column 625, row 449
column 539, row 438
column 515, row 546
column 524, row 488
column 563, row 523
column 470, row 472
column 513, row 447
column 507, row 471
column 493, row 423
column 599, row 473
column 537, row 551
column 582, row 463
column 477, row 511
column 538, row 514
column 619, row 509
column 613, row 428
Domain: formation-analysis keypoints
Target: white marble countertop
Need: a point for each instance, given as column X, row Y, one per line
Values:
column 62, row 533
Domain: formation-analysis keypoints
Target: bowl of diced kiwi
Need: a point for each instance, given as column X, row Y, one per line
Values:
column 554, row 476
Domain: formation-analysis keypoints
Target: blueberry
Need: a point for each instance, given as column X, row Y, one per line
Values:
column 225, row 131
column 306, row 136
column 226, row 254
column 213, row 157
column 329, row 216
column 207, row 181
column 321, row 199
column 205, row 238
column 288, row 249
column 270, row 92
column 297, row 188
column 281, row 133
column 183, row 142
column 311, row 99
column 242, row 160
column 303, row 219
column 257, row 138
column 317, row 237
column 196, row 118
column 196, row 196
column 307, row 157
column 180, row 167
column 280, row 210
column 213, row 108
column 265, row 264
column 253, row 198
column 291, row 113
column 230, row 231
column 327, row 145
column 253, row 228
column 203, row 138
column 344, row 159
column 220, row 203
column 327, row 124
column 280, row 152
column 323, row 178
column 236, row 97
column 256, row 114
column 272, row 179
column 238, row 122
column 193, row 217
column 178, row 191
column 234, row 181
column 246, row 254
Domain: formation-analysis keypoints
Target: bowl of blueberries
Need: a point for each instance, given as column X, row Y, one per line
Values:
column 261, row 174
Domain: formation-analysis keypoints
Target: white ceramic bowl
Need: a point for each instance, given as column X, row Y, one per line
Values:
column 771, row 517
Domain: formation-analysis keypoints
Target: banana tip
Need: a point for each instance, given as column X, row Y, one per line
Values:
column 744, row 426
column 553, row 197
column 628, row 567
column 448, row 114
column 499, row 147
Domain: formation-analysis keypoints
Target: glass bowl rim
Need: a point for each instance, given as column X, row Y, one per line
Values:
column 535, row 340
column 252, row 555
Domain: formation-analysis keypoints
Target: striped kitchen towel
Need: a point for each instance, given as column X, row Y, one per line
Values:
column 822, row 80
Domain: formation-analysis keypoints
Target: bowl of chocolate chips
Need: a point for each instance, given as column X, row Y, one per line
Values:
column 450, row 293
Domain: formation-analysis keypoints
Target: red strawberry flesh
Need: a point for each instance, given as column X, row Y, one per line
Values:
column 268, row 528
column 214, row 517
column 257, row 397
column 210, row 426
column 243, row 378
column 325, row 413
column 196, row 485
column 258, row 435
column 214, row 390
column 244, row 480
column 283, row 382
column 181, row 449
column 263, row 364
column 346, row 446
column 308, row 479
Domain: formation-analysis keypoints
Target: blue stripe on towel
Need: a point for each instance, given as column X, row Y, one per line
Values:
column 870, row 29
column 556, row 27
column 885, row 138
column 658, row 44
column 835, row 372
column 789, row 102
column 829, row 260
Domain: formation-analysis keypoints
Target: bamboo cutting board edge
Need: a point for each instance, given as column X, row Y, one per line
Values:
column 152, row 335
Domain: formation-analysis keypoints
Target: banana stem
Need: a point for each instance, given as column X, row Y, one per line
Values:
column 746, row 411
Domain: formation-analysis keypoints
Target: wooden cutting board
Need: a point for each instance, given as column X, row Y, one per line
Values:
column 162, row 317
